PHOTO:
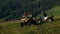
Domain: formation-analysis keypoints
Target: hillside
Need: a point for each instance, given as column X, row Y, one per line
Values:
column 55, row 11
column 12, row 27
column 13, row 9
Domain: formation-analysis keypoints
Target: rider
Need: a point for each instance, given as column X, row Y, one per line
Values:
column 26, row 14
column 43, row 15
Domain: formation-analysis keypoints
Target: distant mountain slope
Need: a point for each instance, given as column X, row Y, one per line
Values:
column 13, row 9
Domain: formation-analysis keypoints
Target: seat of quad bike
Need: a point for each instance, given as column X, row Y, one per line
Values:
column 44, row 18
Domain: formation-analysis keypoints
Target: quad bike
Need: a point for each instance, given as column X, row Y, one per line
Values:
column 47, row 18
column 44, row 17
column 28, row 21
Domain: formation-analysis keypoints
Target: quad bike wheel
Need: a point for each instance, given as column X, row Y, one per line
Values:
column 21, row 24
column 50, row 19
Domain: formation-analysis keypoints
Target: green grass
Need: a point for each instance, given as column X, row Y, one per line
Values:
column 55, row 11
column 46, row 28
column 13, row 27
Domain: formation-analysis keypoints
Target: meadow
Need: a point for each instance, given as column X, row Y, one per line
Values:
column 13, row 27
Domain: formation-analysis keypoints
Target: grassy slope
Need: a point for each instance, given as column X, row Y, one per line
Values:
column 55, row 11
column 12, row 27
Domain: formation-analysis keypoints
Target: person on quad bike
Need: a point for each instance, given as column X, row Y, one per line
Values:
column 43, row 16
column 27, row 15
